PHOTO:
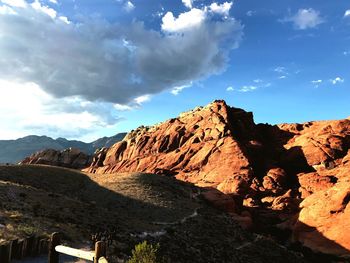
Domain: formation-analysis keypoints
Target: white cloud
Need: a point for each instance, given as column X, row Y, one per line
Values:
column 247, row 88
column 193, row 18
column 186, row 21
column 223, row 9
column 108, row 61
column 250, row 13
column 176, row 90
column 64, row 19
column 129, row 6
column 188, row 3
column 142, row 99
column 53, row 2
column 158, row 14
column 337, row 80
column 347, row 13
column 6, row 10
column 121, row 107
column 45, row 9
column 317, row 82
column 15, row 3
column 104, row 67
column 282, row 77
column 281, row 70
column 35, row 111
column 305, row 19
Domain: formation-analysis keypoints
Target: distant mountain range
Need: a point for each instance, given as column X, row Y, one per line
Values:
column 13, row 151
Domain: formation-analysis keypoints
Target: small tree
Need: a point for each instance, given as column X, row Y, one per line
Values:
column 144, row 253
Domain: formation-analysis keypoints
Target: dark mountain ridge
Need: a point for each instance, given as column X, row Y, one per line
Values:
column 13, row 151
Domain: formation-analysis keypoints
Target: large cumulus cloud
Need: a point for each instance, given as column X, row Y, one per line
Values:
column 103, row 61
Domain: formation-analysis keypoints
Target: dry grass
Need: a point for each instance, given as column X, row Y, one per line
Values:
column 43, row 199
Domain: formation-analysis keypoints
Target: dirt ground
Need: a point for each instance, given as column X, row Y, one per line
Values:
column 126, row 209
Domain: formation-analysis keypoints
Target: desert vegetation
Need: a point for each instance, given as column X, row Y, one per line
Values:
column 125, row 210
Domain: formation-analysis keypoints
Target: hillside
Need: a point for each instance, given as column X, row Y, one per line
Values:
column 13, row 151
column 276, row 180
column 128, row 208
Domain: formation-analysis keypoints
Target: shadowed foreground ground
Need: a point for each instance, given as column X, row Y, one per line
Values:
column 42, row 200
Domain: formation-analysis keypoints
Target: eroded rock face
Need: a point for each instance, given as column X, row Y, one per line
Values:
column 258, row 173
column 200, row 147
column 324, row 220
column 317, row 155
column 70, row 158
column 321, row 142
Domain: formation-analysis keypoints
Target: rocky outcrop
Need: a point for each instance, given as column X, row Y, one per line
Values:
column 70, row 158
column 265, row 176
column 324, row 220
column 196, row 147
column 321, row 142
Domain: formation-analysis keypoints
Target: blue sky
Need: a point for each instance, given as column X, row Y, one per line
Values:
column 91, row 68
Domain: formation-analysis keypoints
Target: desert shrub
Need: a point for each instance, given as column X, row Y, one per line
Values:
column 27, row 229
column 144, row 253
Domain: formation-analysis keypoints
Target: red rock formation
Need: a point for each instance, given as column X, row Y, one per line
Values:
column 264, row 169
column 70, row 158
column 317, row 155
column 324, row 220
column 321, row 142
column 200, row 147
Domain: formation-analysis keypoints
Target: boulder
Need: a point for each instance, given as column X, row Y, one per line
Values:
column 324, row 221
column 219, row 200
column 275, row 180
column 314, row 182
column 70, row 158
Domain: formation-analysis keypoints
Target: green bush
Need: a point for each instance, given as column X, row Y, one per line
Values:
column 144, row 253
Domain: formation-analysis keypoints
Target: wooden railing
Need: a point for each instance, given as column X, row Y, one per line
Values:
column 55, row 248
column 17, row 249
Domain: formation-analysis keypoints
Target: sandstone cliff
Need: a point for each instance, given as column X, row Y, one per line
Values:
column 292, row 176
column 197, row 147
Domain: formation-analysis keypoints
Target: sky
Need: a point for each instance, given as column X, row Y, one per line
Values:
column 84, row 69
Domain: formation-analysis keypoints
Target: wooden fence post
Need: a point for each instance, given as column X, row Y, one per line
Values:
column 53, row 254
column 19, row 250
column 100, row 250
column 30, row 244
column 41, row 247
column 34, row 249
column 14, row 250
column 5, row 252
column 24, row 248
